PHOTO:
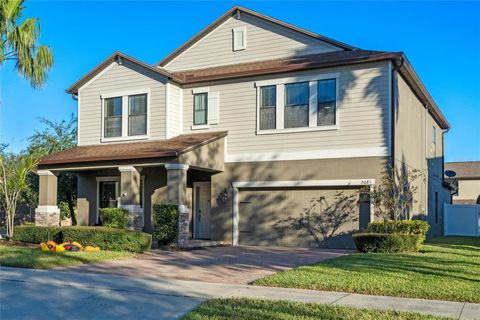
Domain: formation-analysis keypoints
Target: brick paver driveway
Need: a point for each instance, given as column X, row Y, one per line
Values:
column 239, row 264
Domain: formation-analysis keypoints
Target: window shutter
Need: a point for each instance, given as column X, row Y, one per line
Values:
column 239, row 38
column 213, row 103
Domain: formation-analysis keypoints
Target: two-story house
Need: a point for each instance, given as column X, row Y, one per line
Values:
column 243, row 126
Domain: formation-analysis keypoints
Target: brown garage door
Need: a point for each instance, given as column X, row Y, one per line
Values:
column 265, row 216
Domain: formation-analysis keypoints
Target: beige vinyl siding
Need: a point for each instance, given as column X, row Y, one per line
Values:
column 409, row 127
column 174, row 111
column 413, row 135
column 117, row 79
column 414, row 147
column 264, row 41
column 410, row 140
column 363, row 114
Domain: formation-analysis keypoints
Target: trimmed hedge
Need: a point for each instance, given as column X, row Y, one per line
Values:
column 165, row 222
column 105, row 238
column 400, row 226
column 114, row 217
column 387, row 242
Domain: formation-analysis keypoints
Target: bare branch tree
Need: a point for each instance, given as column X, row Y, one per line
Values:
column 393, row 197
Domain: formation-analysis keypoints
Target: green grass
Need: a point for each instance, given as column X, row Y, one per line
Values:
column 24, row 257
column 253, row 309
column 445, row 269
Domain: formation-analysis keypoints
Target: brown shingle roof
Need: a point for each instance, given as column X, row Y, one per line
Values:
column 133, row 150
column 320, row 60
column 465, row 170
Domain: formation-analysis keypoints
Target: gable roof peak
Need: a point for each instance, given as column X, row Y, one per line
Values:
column 237, row 11
column 118, row 57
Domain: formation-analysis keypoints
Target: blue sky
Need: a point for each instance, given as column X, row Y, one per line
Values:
column 441, row 39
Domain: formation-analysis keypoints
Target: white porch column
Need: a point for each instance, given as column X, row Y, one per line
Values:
column 130, row 196
column 47, row 213
column 177, row 194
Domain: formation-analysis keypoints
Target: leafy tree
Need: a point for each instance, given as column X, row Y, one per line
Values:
column 393, row 197
column 55, row 137
column 14, row 170
column 19, row 43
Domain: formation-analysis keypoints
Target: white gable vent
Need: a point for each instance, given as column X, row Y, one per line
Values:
column 239, row 38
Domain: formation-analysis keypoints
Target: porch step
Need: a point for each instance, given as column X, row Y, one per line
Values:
column 198, row 244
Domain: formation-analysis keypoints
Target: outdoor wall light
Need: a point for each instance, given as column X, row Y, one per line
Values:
column 223, row 197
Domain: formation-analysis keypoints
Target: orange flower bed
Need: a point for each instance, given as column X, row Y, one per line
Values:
column 66, row 246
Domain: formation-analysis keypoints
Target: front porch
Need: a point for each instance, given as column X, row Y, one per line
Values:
column 136, row 175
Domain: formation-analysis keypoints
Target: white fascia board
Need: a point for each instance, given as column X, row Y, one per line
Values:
column 309, row 155
column 304, row 183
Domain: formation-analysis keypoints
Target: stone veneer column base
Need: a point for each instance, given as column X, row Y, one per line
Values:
column 135, row 217
column 183, row 227
column 46, row 216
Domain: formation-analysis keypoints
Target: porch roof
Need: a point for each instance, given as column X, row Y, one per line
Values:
column 173, row 147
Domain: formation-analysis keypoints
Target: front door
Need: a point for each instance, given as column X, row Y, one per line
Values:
column 201, row 223
column 107, row 194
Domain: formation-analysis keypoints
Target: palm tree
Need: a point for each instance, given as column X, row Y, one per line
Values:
column 19, row 43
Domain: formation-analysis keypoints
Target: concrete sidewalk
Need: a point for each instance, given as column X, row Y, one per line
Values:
column 27, row 293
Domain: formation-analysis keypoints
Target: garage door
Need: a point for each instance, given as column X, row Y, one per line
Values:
column 266, row 216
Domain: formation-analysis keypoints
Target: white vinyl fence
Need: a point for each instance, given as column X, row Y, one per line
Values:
column 461, row 220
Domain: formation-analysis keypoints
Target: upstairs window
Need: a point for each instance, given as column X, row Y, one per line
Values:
column 239, row 38
column 125, row 116
column 434, row 141
column 296, row 105
column 113, row 117
column 137, row 115
column 268, row 98
column 327, row 102
column 200, row 108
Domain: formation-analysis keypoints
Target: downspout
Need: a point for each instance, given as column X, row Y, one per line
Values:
column 444, row 131
column 427, row 177
column 397, row 64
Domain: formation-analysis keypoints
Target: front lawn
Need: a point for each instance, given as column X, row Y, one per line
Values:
column 253, row 309
column 27, row 257
column 446, row 268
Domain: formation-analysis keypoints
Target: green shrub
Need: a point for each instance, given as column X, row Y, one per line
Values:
column 105, row 238
column 400, row 226
column 64, row 210
column 113, row 217
column 387, row 242
column 165, row 222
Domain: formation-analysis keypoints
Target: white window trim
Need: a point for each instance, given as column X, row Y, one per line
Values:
column 124, row 95
column 313, row 103
column 286, row 80
column 116, row 179
column 200, row 126
column 235, row 31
